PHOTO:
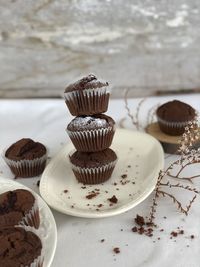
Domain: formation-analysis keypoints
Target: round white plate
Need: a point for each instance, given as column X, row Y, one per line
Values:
column 140, row 158
column 47, row 231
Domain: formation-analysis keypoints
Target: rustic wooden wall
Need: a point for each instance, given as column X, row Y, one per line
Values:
column 147, row 46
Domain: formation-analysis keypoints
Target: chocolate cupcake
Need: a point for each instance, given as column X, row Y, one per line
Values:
column 87, row 96
column 93, row 168
column 26, row 158
column 19, row 247
column 19, row 207
column 91, row 133
column 174, row 116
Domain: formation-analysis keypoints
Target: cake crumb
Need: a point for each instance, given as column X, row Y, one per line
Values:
column 174, row 234
column 116, row 250
column 124, row 176
column 192, row 236
column 102, row 240
column 113, row 199
column 92, row 195
column 65, row 191
column 134, row 229
column 139, row 220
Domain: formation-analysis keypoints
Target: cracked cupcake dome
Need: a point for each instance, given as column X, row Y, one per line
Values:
column 26, row 158
column 87, row 96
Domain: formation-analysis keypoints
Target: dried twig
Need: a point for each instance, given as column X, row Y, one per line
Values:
column 179, row 205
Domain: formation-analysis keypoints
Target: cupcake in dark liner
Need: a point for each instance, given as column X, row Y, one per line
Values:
column 174, row 116
column 93, row 168
column 19, row 207
column 91, row 133
column 20, row 247
column 26, row 158
column 87, row 96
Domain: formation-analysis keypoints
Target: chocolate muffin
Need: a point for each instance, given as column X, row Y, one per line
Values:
column 93, row 168
column 19, row 207
column 91, row 133
column 26, row 158
column 87, row 96
column 174, row 116
column 19, row 247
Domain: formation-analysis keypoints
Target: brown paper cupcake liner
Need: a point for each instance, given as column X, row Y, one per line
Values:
column 87, row 102
column 26, row 168
column 172, row 128
column 92, row 140
column 94, row 175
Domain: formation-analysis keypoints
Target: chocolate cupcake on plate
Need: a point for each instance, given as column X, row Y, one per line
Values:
column 19, row 247
column 174, row 116
column 26, row 158
column 93, row 168
column 87, row 96
column 19, row 207
column 91, row 133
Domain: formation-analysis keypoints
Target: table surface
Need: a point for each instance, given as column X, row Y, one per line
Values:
column 79, row 238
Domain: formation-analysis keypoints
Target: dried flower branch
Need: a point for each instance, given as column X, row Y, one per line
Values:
column 188, row 157
column 187, row 187
column 134, row 118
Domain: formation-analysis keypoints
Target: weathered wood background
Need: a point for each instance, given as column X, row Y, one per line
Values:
column 148, row 46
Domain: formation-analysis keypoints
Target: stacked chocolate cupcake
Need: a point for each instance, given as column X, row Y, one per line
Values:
column 90, row 131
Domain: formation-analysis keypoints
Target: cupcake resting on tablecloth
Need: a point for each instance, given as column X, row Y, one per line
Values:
column 26, row 158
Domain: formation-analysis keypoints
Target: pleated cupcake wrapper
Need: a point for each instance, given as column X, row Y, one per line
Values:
column 87, row 102
column 94, row 175
column 29, row 167
column 173, row 124
column 38, row 262
column 92, row 140
column 32, row 217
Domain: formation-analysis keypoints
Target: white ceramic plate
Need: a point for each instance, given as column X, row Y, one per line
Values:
column 47, row 231
column 140, row 158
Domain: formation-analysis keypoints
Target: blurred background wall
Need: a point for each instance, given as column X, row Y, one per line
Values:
column 149, row 46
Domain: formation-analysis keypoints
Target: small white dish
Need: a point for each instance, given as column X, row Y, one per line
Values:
column 140, row 158
column 47, row 231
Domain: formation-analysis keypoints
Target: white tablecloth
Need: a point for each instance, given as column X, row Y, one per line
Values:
column 79, row 239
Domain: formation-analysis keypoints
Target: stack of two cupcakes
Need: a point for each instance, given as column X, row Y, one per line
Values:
column 90, row 131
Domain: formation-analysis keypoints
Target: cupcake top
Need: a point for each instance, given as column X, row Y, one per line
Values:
column 176, row 111
column 14, row 205
column 93, row 122
column 18, row 247
column 25, row 148
column 93, row 159
column 88, row 82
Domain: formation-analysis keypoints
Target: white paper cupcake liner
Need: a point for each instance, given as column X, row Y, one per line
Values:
column 92, row 140
column 87, row 102
column 94, row 175
column 173, row 124
column 32, row 218
column 26, row 168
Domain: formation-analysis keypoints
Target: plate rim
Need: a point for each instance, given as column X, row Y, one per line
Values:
column 113, row 212
column 22, row 186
